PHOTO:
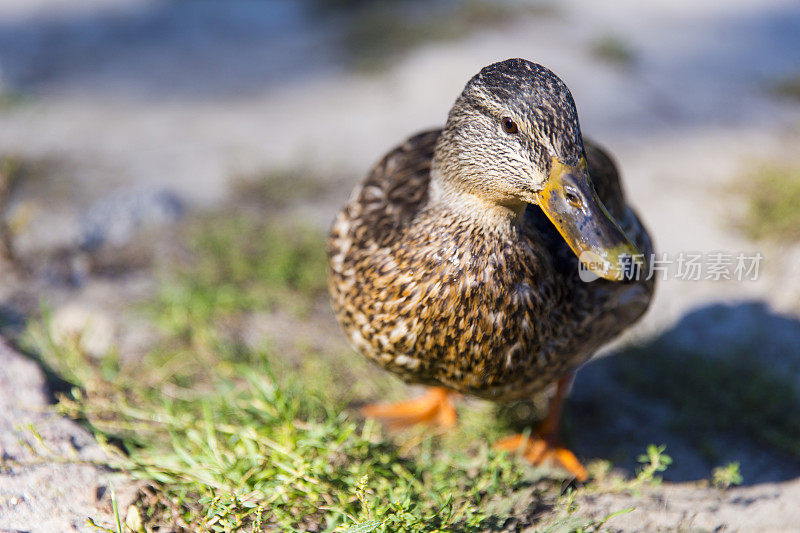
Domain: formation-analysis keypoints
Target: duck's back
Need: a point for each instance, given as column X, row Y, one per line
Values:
column 439, row 301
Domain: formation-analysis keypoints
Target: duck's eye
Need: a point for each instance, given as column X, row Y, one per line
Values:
column 509, row 126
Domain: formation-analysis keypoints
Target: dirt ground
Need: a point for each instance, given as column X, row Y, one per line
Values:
column 134, row 112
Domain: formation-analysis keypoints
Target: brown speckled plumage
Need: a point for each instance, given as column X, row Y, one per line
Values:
column 487, row 305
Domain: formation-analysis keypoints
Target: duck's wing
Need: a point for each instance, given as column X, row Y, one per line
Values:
column 390, row 196
column 605, row 178
column 380, row 208
column 609, row 188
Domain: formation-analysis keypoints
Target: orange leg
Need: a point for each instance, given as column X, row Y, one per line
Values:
column 546, row 446
column 434, row 408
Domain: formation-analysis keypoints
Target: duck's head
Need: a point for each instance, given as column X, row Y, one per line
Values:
column 512, row 138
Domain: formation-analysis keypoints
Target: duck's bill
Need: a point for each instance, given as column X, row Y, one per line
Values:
column 571, row 203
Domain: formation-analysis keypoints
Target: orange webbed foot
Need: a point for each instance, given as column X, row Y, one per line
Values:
column 433, row 408
column 545, row 446
column 539, row 451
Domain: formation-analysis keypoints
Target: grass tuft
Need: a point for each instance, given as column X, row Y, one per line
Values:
column 773, row 194
column 614, row 50
column 242, row 264
column 10, row 172
column 653, row 462
column 258, row 445
column 724, row 477
column 788, row 88
column 379, row 33
column 278, row 188
column 10, row 99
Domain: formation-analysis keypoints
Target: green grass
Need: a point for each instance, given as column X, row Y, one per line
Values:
column 724, row 477
column 18, row 173
column 242, row 264
column 379, row 33
column 279, row 188
column 788, row 87
column 10, row 100
column 10, row 173
column 614, row 49
column 772, row 193
column 240, row 438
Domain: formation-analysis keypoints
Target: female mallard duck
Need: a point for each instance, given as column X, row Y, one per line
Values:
column 455, row 263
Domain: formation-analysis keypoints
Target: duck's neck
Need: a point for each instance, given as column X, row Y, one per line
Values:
column 445, row 194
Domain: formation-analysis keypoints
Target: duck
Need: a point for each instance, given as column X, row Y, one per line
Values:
column 491, row 257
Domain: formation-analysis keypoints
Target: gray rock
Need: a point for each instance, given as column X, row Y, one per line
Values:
column 52, row 485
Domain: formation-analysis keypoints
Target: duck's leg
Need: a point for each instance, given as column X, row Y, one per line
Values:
column 545, row 445
column 434, row 407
